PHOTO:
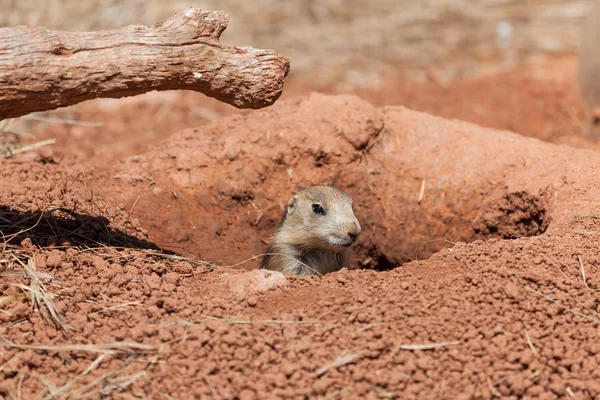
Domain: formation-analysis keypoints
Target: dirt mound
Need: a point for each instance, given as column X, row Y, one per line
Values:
column 514, row 313
column 539, row 99
column 418, row 181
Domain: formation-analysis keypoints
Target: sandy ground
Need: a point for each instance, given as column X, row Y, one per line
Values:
column 476, row 276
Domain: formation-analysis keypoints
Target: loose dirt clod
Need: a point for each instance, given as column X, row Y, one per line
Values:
column 254, row 282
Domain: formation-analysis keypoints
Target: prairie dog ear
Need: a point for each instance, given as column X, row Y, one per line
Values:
column 292, row 204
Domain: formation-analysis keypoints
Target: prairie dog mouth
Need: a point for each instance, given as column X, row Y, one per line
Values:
column 336, row 241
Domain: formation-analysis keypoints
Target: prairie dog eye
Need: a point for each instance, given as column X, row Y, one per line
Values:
column 318, row 209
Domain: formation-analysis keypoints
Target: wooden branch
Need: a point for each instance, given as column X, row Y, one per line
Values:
column 42, row 69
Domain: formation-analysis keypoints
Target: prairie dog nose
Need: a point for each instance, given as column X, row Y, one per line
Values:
column 354, row 230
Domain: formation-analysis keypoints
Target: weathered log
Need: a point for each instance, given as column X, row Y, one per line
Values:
column 42, row 69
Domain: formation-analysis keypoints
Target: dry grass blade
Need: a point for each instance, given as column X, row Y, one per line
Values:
column 64, row 121
column 63, row 389
column 6, row 364
column 40, row 295
column 384, row 394
column 166, row 396
column 175, row 257
column 41, row 275
column 120, row 383
column 13, row 324
column 152, row 253
column 429, row 346
column 530, row 343
column 251, row 322
column 214, row 392
column 50, row 386
column 91, row 389
column 339, row 362
column 12, row 298
column 115, row 307
column 275, row 254
column 582, row 270
column 421, row 192
column 338, row 393
column 109, row 348
column 560, row 305
column 492, row 388
column 29, row 147
column 549, row 260
column 87, row 390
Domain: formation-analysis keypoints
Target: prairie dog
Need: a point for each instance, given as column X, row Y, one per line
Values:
column 315, row 233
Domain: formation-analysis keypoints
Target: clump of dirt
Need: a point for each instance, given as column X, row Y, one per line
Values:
column 513, row 313
column 515, row 215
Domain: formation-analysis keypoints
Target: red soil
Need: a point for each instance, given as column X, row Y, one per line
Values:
column 505, row 228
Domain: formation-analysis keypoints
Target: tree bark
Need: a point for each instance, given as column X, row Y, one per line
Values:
column 42, row 69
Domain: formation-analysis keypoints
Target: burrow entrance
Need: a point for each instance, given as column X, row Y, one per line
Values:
column 511, row 216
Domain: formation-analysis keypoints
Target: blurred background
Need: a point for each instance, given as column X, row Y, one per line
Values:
column 350, row 41
column 507, row 64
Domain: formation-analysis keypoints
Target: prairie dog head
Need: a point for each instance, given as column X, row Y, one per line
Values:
column 320, row 217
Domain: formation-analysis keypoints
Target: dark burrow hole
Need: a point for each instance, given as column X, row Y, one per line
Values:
column 512, row 216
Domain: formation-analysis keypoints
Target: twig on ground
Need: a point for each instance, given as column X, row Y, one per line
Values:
column 50, row 386
column 85, row 390
column 246, row 322
column 4, row 300
column 582, row 270
column 166, row 396
column 421, row 191
column 120, row 383
column 214, row 392
column 64, row 121
column 69, row 384
column 557, row 267
column 11, row 152
column 113, row 308
column 429, row 346
column 339, row 362
column 442, row 390
column 530, row 343
column 560, row 305
column 13, row 324
column 492, row 388
column 109, row 348
column 13, row 358
column 274, row 254
column 337, row 393
column 40, row 295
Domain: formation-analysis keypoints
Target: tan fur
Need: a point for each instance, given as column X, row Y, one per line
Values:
column 308, row 243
